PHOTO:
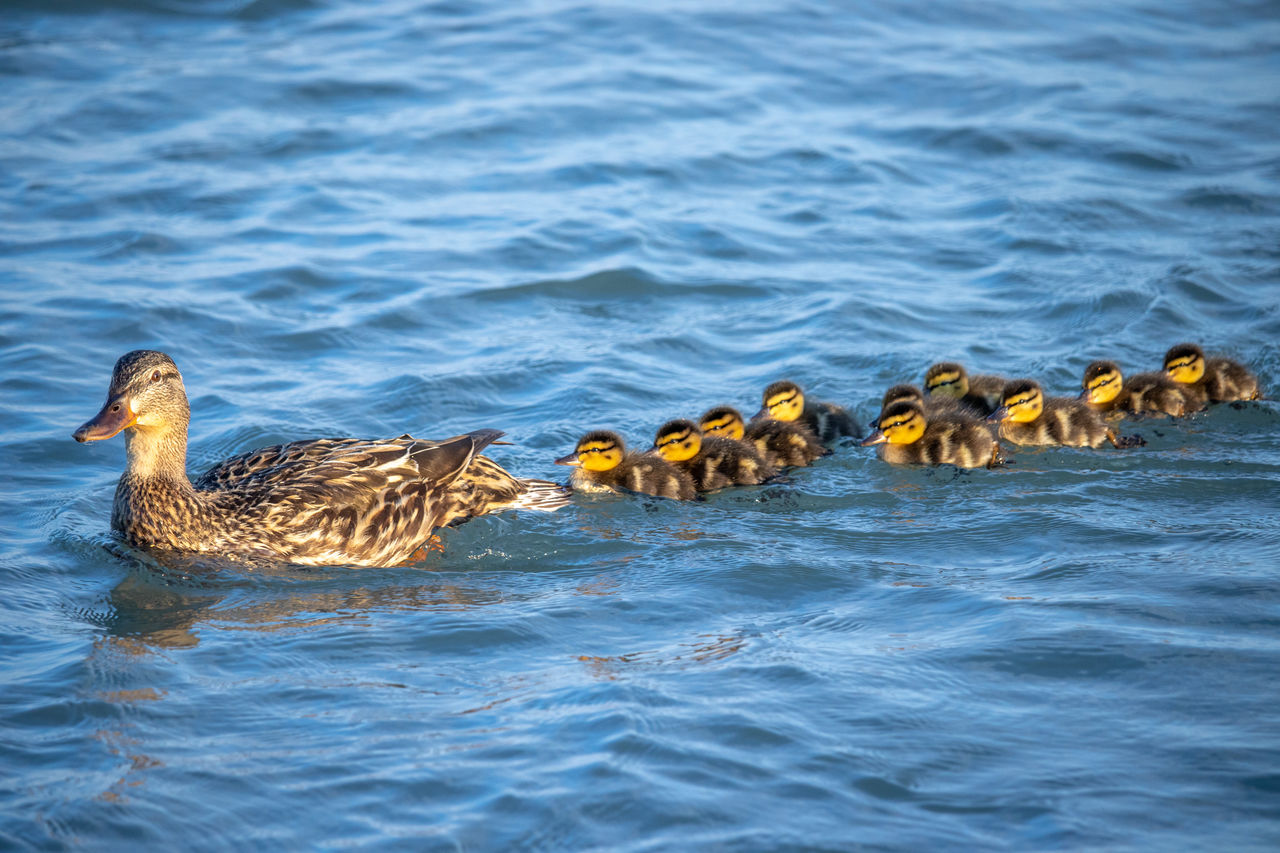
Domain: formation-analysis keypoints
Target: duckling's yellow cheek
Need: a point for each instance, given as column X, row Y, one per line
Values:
column 1186, row 373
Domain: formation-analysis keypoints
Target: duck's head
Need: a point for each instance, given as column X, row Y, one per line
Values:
column 725, row 421
column 599, row 450
column 902, row 422
column 947, row 379
column 902, row 393
column 1185, row 363
column 1022, row 401
column 146, row 393
column 678, row 440
column 1102, row 382
column 782, row 401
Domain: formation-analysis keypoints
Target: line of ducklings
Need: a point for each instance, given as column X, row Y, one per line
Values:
column 721, row 449
column 960, row 419
column 957, row 420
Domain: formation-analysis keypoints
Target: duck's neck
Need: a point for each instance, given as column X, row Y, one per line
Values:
column 158, row 455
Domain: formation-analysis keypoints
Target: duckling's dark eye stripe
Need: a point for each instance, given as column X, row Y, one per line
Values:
column 1021, row 401
column 1184, row 362
column 897, row 423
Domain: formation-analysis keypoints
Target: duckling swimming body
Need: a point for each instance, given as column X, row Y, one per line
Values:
column 981, row 394
column 601, row 463
column 711, row 461
column 1026, row 416
column 907, row 435
column 780, row 443
column 784, row 401
column 1107, row 391
column 1212, row 380
column 331, row 501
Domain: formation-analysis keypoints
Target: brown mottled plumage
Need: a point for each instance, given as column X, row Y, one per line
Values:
column 906, row 434
column 711, row 461
column 1026, row 416
column 1210, row 380
column 781, row 443
column 784, row 401
column 331, row 501
column 1107, row 391
column 601, row 463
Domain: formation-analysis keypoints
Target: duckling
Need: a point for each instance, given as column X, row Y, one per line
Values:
column 1212, row 380
column 906, row 434
column 601, row 463
column 713, row 462
column 784, row 401
column 781, row 443
column 1026, row 416
column 980, row 393
column 1107, row 391
column 320, row 502
column 937, row 406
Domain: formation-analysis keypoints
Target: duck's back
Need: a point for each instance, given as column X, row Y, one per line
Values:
column 783, row 443
column 1226, row 380
column 653, row 475
column 1154, row 392
column 828, row 421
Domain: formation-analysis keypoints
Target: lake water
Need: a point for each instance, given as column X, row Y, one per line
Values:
column 369, row 218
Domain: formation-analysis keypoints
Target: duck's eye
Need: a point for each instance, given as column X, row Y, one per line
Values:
column 155, row 376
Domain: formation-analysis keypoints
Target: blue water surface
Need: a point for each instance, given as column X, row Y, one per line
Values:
column 385, row 216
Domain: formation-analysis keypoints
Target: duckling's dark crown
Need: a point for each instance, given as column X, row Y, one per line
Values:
column 1014, row 387
column 720, row 412
column 944, row 367
column 903, row 392
column 677, row 425
column 1100, row 368
column 1181, row 351
column 782, row 386
column 601, row 436
column 900, row 409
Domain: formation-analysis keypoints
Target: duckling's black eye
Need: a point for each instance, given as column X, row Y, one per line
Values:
column 155, row 376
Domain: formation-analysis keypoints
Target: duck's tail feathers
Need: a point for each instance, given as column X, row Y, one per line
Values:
column 542, row 495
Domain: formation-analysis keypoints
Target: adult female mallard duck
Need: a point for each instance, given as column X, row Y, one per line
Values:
column 907, row 435
column 1210, row 380
column 601, row 463
column 1027, row 416
column 713, row 462
column 328, row 501
column 784, row 401
column 781, row 443
column 1107, row 391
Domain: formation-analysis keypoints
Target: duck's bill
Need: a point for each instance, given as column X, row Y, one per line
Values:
column 998, row 415
column 114, row 417
column 1086, row 395
column 876, row 437
column 763, row 413
column 571, row 459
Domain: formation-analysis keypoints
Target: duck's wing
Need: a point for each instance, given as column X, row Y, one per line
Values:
column 337, row 467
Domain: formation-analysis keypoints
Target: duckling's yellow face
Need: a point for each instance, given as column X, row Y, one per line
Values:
column 903, row 426
column 785, row 405
column 598, row 454
column 1103, row 386
column 947, row 381
column 1022, row 406
column 727, row 425
column 1185, row 367
column 678, row 443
